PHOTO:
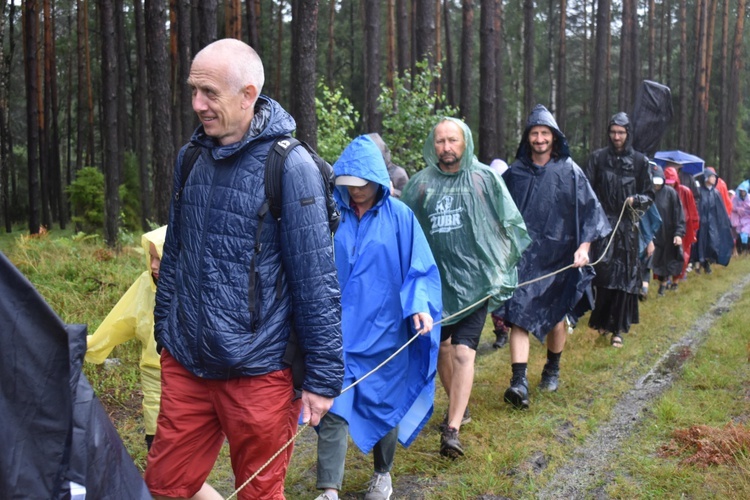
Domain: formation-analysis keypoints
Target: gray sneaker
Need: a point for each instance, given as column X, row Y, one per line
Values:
column 380, row 487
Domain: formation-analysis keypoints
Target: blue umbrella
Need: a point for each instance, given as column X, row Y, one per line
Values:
column 690, row 164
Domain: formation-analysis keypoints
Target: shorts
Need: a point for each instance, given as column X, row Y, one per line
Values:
column 257, row 415
column 467, row 331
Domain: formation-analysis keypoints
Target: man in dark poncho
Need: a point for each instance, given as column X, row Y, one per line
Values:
column 689, row 209
column 619, row 176
column 715, row 240
column 562, row 217
column 668, row 259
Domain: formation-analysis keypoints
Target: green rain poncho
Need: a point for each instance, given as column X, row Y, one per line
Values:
column 474, row 229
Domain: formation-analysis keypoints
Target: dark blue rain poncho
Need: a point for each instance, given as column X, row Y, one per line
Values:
column 561, row 211
column 473, row 227
column 387, row 274
column 715, row 241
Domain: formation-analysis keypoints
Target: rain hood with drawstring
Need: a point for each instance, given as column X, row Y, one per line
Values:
column 133, row 317
column 474, row 229
column 387, row 274
column 561, row 212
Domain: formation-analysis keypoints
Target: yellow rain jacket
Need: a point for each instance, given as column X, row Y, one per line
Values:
column 133, row 317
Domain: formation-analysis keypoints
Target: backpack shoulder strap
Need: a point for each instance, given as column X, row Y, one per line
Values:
column 192, row 153
column 274, row 171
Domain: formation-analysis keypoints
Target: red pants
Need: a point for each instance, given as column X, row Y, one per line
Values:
column 256, row 414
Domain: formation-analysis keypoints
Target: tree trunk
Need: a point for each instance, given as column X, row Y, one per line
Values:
column 449, row 87
column 207, row 19
column 487, row 72
column 682, row 116
column 185, row 106
column 56, row 191
column 734, row 82
column 500, row 81
column 724, row 105
column 699, row 79
column 141, row 113
column 157, row 65
column 600, row 87
column 628, row 56
column 303, row 70
column 233, row 19
column 90, row 159
column 467, row 58
column 425, row 31
column 6, row 156
column 31, row 73
column 371, row 116
column 562, row 84
column 253, row 29
column 279, row 40
column 330, row 61
column 390, row 76
column 404, row 36
column 528, row 55
column 651, row 39
column 112, row 155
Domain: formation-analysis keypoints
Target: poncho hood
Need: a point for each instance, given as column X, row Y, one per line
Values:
column 744, row 186
column 622, row 120
column 430, row 156
column 362, row 158
column 157, row 237
column 671, row 177
column 540, row 116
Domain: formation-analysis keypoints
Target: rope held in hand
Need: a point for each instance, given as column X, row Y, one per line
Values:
column 307, row 424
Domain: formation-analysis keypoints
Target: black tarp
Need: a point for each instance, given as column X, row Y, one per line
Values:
column 54, row 430
column 651, row 116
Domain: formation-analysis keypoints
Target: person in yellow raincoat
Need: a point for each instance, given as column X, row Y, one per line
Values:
column 133, row 318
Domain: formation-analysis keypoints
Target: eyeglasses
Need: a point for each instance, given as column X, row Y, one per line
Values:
column 617, row 132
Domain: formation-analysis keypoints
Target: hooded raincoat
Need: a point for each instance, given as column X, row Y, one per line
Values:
column 715, row 242
column 133, row 318
column 689, row 209
column 387, row 274
column 616, row 176
column 561, row 212
column 474, row 229
column 668, row 258
column 741, row 212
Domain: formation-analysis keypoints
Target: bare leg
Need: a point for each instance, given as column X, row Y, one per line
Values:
column 461, row 383
column 445, row 365
column 556, row 338
column 519, row 345
column 205, row 493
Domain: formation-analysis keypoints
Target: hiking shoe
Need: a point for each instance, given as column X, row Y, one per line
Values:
column 707, row 267
column 325, row 496
column 501, row 339
column 643, row 294
column 464, row 420
column 550, row 379
column 662, row 288
column 450, row 446
column 518, row 393
column 380, row 487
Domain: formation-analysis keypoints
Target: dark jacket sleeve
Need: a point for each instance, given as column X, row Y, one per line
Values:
column 678, row 214
column 307, row 255
column 645, row 192
column 165, row 288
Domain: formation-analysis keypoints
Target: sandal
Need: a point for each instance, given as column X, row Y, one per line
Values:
column 616, row 341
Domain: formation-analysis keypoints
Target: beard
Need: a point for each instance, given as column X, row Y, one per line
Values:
column 449, row 159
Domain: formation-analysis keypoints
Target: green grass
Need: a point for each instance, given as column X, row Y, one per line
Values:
column 509, row 453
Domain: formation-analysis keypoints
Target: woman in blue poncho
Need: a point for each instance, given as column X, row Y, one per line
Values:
column 390, row 291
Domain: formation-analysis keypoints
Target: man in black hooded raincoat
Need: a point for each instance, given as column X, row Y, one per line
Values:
column 668, row 258
column 563, row 217
column 619, row 176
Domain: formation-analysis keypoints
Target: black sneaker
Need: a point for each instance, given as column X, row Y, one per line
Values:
column 518, row 393
column 464, row 420
column 501, row 339
column 550, row 379
column 450, row 446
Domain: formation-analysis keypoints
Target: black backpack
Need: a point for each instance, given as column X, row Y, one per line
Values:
column 274, row 168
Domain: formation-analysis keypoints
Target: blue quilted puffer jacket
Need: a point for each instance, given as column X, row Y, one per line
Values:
column 205, row 315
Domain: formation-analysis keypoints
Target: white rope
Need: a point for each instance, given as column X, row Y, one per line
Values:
column 396, row 353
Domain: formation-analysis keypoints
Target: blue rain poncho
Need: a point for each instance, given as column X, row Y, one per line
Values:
column 715, row 240
column 561, row 212
column 133, row 318
column 475, row 231
column 387, row 273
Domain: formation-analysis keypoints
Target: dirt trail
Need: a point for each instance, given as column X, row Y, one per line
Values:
column 581, row 475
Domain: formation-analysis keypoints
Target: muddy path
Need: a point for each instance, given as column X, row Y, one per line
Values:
column 581, row 475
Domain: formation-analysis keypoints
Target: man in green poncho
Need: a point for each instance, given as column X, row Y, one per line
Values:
column 477, row 235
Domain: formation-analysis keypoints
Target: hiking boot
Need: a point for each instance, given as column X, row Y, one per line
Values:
column 464, row 420
column 550, row 379
column 518, row 392
column 707, row 267
column 662, row 288
column 380, row 487
column 501, row 339
column 450, row 446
